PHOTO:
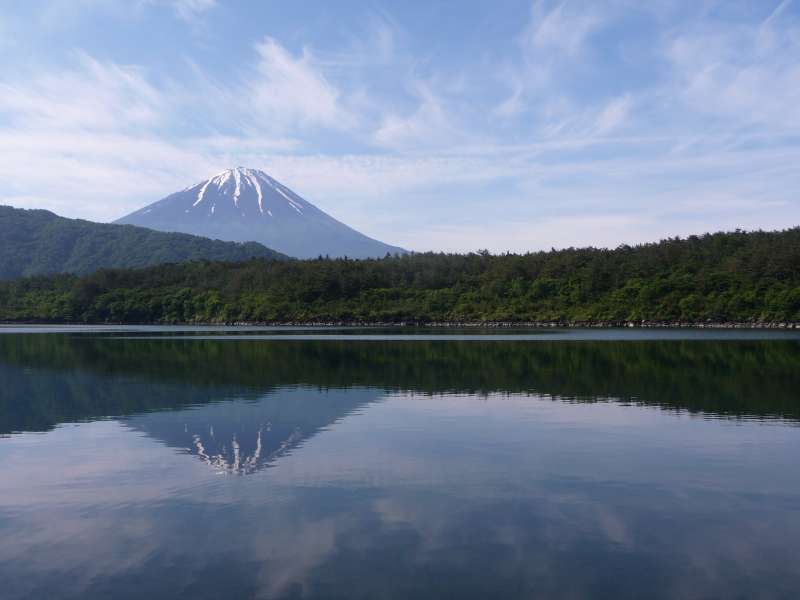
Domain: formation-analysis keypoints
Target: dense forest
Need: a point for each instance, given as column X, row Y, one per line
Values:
column 38, row 242
column 737, row 276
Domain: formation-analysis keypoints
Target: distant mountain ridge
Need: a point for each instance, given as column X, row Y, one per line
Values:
column 38, row 242
column 248, row 205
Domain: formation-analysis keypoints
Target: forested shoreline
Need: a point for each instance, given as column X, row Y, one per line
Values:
column 722, row 278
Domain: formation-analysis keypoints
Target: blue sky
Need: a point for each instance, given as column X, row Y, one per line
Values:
column 461, row 125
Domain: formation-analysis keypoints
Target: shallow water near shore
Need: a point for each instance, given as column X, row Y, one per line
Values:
column 327, row 463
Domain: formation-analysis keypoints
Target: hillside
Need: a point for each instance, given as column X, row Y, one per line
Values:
column 37, row 242
column 734, row 276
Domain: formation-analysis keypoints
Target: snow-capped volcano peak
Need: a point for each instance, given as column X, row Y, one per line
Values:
column 244, row 204
column 232, row 182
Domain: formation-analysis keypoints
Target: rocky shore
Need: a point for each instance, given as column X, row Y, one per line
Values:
column 788, row 325
column 532, row 324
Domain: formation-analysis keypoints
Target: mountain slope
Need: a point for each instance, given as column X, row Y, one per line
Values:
column 246, row 204
column 37, row 242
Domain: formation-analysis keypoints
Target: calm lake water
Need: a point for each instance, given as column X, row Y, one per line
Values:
column 298, row 463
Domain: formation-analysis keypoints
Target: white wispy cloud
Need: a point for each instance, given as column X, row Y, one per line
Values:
column 429, row 124
column 190, row 9
column 707, row 144
column 374, row 45
column 613, row 115
column 290, row 90
column 187, row 10
column 555, row 35
column 746, row 74
column 562, row 27
column 96, row 95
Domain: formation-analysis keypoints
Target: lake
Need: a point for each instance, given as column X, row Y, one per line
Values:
column 157, row 462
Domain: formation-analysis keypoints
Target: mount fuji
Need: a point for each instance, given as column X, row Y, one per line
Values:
column 247, row 205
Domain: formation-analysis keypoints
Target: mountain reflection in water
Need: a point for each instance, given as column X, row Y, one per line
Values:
column 247, row 435
column 389, row 469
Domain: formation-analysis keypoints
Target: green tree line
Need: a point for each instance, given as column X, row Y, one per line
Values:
column 735, row 276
